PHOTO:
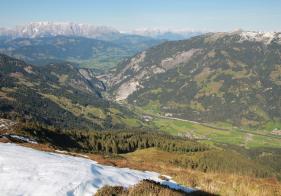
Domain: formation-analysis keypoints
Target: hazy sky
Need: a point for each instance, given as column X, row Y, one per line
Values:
column 214, row 15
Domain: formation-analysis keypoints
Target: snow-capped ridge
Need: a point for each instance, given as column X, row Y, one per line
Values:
column 251, row 36
column 45, row 28
column 265, row 37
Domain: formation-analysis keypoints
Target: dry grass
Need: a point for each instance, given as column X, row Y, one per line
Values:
column 228, row 184
column 145, row 188
column 216, row 183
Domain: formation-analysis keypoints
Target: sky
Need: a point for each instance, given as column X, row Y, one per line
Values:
column 206, row 15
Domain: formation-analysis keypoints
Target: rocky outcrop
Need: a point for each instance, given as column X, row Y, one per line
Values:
column 129, row 79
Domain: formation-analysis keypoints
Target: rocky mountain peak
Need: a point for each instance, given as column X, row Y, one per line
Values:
column 45, row 28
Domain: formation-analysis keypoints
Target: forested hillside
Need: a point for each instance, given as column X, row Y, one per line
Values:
column 56, row 95
column 218, row 77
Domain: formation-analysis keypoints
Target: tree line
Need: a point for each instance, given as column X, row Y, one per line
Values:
column 116, row 142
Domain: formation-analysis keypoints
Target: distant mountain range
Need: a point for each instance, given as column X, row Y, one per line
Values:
column 168, row 34
column 42, row 29
column 217, row 77
column 87, row 45
column 84, row 44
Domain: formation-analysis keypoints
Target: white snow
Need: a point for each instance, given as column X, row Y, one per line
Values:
column 45, row 28
column 22, row 138
column 266, row 37
column 25, row 171
column 72, row 153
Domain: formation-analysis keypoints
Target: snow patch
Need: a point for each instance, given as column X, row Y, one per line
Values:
column 72, row 153
column 22, row 138
column 25, row 171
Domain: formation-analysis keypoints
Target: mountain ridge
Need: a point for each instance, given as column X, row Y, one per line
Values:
column 45, row 28
column 56, row 96
column 207, row 76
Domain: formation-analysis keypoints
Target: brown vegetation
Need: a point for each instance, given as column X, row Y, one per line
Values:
column 146, row 188
column 211, row 182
